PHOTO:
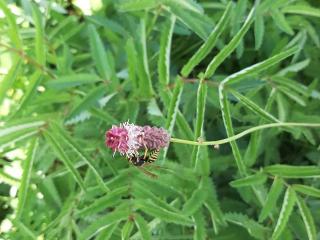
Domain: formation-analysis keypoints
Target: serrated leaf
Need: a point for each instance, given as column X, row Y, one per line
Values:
column 272, row 197
column 281, row 21
column 164, row 52
column 227, row 121
column 26, row 176
column 40, row 47
column 308, row 190
column 255, row 229
column 302, row 9
column 132, row 62
column 195, row 201
column 74, row 80
column 286, row 209
column 230, row 47
column 143, row 227
column 208, row 45
column 110, row 199
column 10, row 78
column 53, row 141
column 13, row 30
column 258, row 67
column 200, row 226
column 15, row 133
column 99, row 55
column 198, row 133
column 289, row 171
column 195, row 21
column 254, row 107
column 126, row 230
column 103, row 222
column 256, row 179
column 307, row 219
column 145, row 84
column 63, row 136
column 8, row 179
column 291, row 94
column 107, row 232
column 259, row 30
column 156, row 211
column 90, row 100
column 137, row 5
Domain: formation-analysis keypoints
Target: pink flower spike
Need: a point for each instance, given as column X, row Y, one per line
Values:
column 128, row 139
column 155, row 138
column 117, row 138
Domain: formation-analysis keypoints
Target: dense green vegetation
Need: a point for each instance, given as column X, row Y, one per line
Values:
column 236, row 83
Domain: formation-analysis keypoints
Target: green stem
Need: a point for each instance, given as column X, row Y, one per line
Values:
column 246, row 132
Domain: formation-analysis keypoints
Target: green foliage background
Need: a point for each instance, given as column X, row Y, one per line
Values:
column 203, row 70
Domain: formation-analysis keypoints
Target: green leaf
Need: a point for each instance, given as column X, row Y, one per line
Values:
column 173, row 110
column 258, row 67
column 200, row 226
column 302, row 9
column 227, row 121
column 90, row 100
column 281, row 21
column 63, row 136
column 252, row 151
column 137, row 5
column 140, row 191
column 53, row 141
column 99, row 55
column 153, row 210
column 254, row 229
column 259, row 30
column 291, row 84
column 195, row 21
column 40, row 47
column 256, row 179
column 213, row 205
column 9, row 79
column 294, row 67
column 286, row 210
column 13, row 30
column 26, row 175
column 230, row 47
column 272, row 198
column 308, row 190
column 73, row 80
column 8, row 179
column 201, row 107
column 126, row 230
column 307, row 219
column 164, row 52
column 288, row 171
column 132, row 60
column 208, row 45
column 35, row 80
column 195, row 201
column 107, row 232
column 254, row 107
column 15, row 133
column 145, row 84
column 174, row 105
column 99, row 204
column 143, row 227
column 103, row 222
column 27, row 232
column 291, row 94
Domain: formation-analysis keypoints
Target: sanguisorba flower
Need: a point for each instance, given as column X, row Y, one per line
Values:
column 128, row 139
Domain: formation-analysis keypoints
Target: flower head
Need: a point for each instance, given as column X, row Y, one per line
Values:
column 155, row 138
column 128, row 139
